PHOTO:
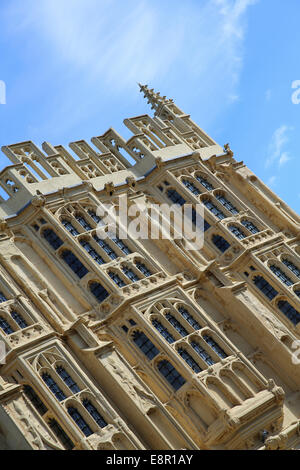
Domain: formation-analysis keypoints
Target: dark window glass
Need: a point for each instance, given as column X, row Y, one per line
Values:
column 60, row 434
column 176, row 324
column 297, row 292
column 214, row 209
column 122, row 245
column 202, row 353
column 70, row 227
column 52, row 385
column 83, row 222
column 141, row 267
column 78, row 419
column 145, row 344
column 204, row 183
column 175, row 197
column 116, row 278
column 35, row 400
column 215, row 346
column 94, row 413
column 52, row 238
column 5, row 326
column 265, row 287
column 74, row 263
column 163, row 331
column 19, row 319
column 220, row 243
column 237, row 232
column 185, row 314
column 91, row 252
column 289, row 311
column 281, row 275
column 250, row 226
column 227, row 204
column 189, row 185
column 105, row 246
column 94, row 216
column 170, row 374
column 197, row 220
column 189, row 360
column 67, row 379
column 98, row 291
column 2, row 297
column 292, row 267
column 130, row 274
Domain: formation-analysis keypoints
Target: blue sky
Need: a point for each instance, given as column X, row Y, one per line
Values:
column 71, row 67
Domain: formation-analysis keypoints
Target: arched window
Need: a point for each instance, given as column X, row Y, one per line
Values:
column 2, row 297
column 189, row 185
column 19, row 319
column 141, row 267
column 250, row 226
column 292, row 267
column 175, row 197
column 171, row 374
column 70, row 227
column 5, row 326
column 94, row 216
column 86, row 245
column 60, row 434
column 94, row 413
column 237, row 232
column 214, row 209
column 78, row 419
column 52, row 238
column 83, row 222
column 105, row 246
column 122, row 245
column 215, row 346
column 35, row 400
column 73, row 262
column 220, row 243
column 163, row 331
column 204, row 183
column 282, row 276
column 98, row 291
column 116, row 278
column 176, row 324
column 265, row 287
column 227, row 204
column 130, row 274
column 67, row 379
column 189, row 360
column 289, row 311
column 188, row 317
column 145, row 345
column 52, row 385
column 202, row 353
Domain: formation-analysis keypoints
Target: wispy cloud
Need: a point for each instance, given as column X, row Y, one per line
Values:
column 276, row 154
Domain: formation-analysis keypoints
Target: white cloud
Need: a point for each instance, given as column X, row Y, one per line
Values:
column 279, row 140
column 271, row 181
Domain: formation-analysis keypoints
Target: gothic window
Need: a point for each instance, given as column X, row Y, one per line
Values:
column 195, row 216
column 94, row 216
column 176, row 324
column 78, row 419
column 116, row 278
column 227, row 204
column 202, row 353
column 77, row 267
column 175, row 197
column 282, row 276
column 292, row 267
column 94, row 413
column 60, row 434
column 214, row 209
column 185, row 314
column 265, row 287
column 67, row 379
column 130, row 274
column 105, row 246
column 289, row 311
column 83, row 222
column 52, row 385
column 250, row 226
column 237, row 232
column 215, row 346
column 19, row 319
column 70, row 227
column 204, row 183
column 2, row 297
column 141, row 267
column 98, row 291
column 35, row 400
column 145, row 345
column 52, row 238
column 220, row 243
column 86, row 245
column 189, row 185
column 121, row 245
column 5, row 326
column 189, row 360
column 171, row 374
column 163, row 331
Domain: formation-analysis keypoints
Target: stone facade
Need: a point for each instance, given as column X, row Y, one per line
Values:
column 143, row 344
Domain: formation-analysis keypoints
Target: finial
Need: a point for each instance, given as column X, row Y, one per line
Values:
column 153, row 97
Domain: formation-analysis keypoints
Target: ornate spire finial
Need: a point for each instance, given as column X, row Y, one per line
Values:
column 153, row 98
